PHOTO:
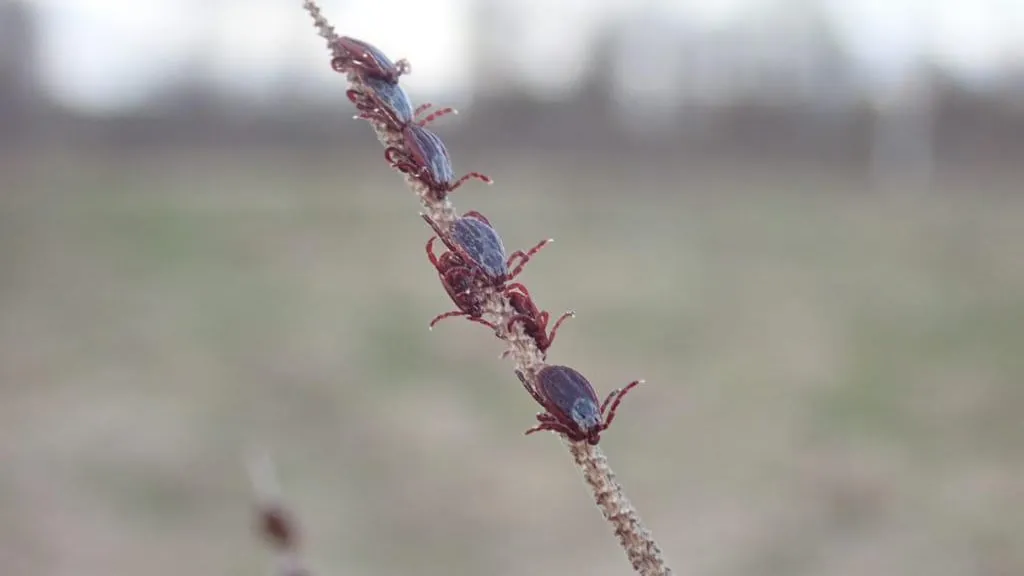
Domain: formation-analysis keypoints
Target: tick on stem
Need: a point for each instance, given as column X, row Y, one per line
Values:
column 389, row 103
column 533, row 320
column 475, row 259
column 457, row 277
column 425, row 157
column 570, row 403
column 366, row 60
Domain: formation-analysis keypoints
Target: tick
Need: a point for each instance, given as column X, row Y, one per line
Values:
column 367, row 60
column 475, row 258
column 570, row 403
column 389, row 103
column 425, row 157
column 457, row 277
column 533, row 320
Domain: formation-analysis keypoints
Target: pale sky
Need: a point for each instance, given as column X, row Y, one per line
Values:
column 102, row 54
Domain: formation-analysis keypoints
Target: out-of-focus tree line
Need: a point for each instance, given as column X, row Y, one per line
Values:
column 651, row 86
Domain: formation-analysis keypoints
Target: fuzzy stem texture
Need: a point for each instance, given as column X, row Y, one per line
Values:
column 635, row 539
column 640, row 547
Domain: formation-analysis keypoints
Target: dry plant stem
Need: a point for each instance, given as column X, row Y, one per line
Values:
column 323, row 27
column 640, row 547
column 635, row 539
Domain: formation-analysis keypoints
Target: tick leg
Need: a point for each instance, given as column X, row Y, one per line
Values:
column 547, row 418
column 525, row 319
column 390, row 154
column 556, row 427
column 459, row 273
column 529, row 388
column 451, row 314
column 554, row 329
column 478, row 216
column 524, row 257
column 410, row 168
column 369, row 110
column 484, row 322
column 537, row 428
column 517, row 287
column 440, row 233
column 477, row 175
column 547, row 422
column 469, row 316
column 533, row 328
column 400, row 160
column 368, row 116
column 433, row 115
column 339, row 63
column 421, row 109
column 358, row 98
column 617, row 395
column 430, row 253
column 361, row 101
column 434, row 225
column 373, row 112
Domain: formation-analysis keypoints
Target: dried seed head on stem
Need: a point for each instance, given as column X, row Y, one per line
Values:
column 641, row 549
column 323, row 27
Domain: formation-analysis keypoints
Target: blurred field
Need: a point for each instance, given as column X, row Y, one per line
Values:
column 834, row 375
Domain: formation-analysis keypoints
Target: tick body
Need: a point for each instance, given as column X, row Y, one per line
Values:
column 475, row 259
column 481, row 243
column 533, row 320
column 426, row 158
column 570, row 403
column 367, row 60
column 389, row 103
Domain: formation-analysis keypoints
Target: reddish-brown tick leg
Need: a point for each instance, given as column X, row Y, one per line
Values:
column 516, row 286
column 618, row 395
column 529, row 388
column 452, row 314
column 433, row 116
column 478, row 216
column 400, row 160
column 524, row 257
column 356, row 97
column 520, row 318
column 547, row 421
column 440, row 233
column 554, row 330
column 477, row 175
column 484, row 322
column 430, row 253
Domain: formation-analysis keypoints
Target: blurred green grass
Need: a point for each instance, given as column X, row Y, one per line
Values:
column 818, row 356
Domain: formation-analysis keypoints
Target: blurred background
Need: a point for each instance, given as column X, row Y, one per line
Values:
column 801, row 221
